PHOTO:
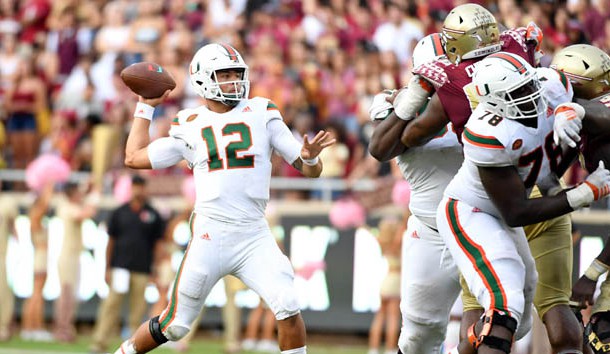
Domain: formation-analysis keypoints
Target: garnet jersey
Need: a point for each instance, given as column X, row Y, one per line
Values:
column 230, row 154
column 449, row 80
column 428, row 169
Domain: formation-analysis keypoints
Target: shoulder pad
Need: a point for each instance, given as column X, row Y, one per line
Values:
column 556, row 86
column 486, row 129
column 181, row 123
column 270, row 109
column 434, row 71
column 515, row 35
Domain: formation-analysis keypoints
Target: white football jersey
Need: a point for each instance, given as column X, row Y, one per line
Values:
column 230, row 154
column 490, row 140
column 429, row 169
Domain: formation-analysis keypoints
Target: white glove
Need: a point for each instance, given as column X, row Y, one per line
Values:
column 595, row 187
column 412, row 98
column 380, row 108
column 568, row 123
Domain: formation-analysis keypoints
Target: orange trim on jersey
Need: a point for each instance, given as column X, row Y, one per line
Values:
column 437, row 44
column 172, row 307
column 564, row 80
column 464, row 241
column 516, row 63
column 489, row 142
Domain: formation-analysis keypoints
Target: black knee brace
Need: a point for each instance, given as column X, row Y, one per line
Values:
column 155, row 330
column 489, row 319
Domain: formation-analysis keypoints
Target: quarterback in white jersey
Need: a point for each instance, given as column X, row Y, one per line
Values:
column 228, row 143
column 486, row 204
column 429, row 277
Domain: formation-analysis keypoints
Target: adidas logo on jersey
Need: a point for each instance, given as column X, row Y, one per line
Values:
column 206, row 237
column 414, row 234
column 247, row 109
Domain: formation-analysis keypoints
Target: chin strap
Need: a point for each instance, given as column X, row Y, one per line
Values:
column 490, row 318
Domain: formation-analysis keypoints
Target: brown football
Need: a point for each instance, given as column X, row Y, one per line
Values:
column 148, row 80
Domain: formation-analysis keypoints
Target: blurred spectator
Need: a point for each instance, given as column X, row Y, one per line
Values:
column 72, row 211
column 33, row 17
column 389, row 311
column 148, row 29
column 62, row 39
column 23, row 100
column 8, row 213
column 135, row 231
column 222, row 18
column 261, row 315
column 397, row 34
column 32, row 317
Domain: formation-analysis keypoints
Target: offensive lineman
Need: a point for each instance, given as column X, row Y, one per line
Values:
column 469, row 34
column 487, row 202
column 228, row 142
column 428, row 271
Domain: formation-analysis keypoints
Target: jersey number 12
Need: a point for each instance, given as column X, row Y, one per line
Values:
column 215, row 162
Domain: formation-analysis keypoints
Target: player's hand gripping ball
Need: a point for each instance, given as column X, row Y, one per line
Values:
column 148, row 80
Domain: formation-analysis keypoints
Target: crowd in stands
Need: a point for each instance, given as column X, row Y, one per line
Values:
column 320, row 61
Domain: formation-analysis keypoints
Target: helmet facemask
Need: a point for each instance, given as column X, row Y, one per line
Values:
column 232, row 97
column 525, row 101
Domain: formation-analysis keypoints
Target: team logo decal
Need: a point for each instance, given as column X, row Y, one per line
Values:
column 517, row 144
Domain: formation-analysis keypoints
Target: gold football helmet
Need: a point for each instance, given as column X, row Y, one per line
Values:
column 470, row 31
column 587, row 67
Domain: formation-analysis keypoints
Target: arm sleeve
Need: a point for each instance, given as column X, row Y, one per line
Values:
column 283, row 141
column 165, row 152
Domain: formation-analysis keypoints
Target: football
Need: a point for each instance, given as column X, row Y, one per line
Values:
column 148, row 80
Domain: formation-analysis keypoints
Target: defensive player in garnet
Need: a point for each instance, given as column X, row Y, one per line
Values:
column 228, row 142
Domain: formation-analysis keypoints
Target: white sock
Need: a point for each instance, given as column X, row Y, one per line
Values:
column 301, row 350
column 126, row 348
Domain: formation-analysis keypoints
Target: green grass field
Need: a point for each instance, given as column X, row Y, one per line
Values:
column 200, row 345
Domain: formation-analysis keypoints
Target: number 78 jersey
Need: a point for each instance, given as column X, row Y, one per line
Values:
column 492, row 141
column 230, row 154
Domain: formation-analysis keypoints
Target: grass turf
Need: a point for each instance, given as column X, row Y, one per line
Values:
column 200, row 345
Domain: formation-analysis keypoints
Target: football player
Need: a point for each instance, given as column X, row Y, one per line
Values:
column 588, row 68
column 469, row 34
column 228, row 142
column 550, row 242
column 428, row 271
column 486, row 204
